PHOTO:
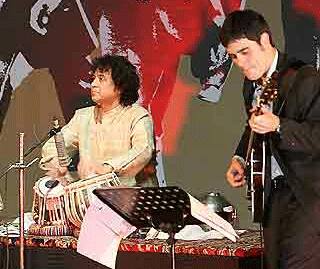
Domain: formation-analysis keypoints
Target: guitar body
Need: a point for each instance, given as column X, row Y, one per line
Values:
column 256, row 153
column 255, row 174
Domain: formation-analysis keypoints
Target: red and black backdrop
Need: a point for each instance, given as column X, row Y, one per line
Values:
column 45, row 52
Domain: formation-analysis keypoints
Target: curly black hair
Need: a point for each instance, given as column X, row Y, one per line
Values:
column 244, row 24
column 124, row 75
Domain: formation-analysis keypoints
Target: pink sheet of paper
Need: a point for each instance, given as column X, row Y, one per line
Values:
column 101, row 232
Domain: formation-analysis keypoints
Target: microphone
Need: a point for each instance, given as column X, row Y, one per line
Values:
column 63, row 158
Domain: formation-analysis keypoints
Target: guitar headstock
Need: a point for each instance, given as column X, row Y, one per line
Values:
column 269, row 89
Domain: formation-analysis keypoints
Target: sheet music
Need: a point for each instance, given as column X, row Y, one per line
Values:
column 101, row 224
column 207, row 216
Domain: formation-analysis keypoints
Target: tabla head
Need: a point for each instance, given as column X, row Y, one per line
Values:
column 49, row 186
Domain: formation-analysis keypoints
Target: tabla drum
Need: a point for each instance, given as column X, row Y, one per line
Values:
column 78, row 195
column 48, row 208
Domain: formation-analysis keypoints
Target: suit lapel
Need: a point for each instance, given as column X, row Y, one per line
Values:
column 279, row 101
column 287, row 72
column 248, row 92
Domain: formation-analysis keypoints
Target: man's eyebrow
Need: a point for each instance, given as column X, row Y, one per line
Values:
column 241, row 50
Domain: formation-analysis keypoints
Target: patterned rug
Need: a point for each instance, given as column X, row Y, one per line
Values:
column 248, row 245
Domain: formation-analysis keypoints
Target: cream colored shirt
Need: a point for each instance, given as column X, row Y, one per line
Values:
column 124, row 140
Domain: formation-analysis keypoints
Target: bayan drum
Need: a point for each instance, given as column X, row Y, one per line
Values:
column 49, row 209
column 78, row 195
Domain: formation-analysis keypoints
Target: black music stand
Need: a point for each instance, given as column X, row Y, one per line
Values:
column 164, row 208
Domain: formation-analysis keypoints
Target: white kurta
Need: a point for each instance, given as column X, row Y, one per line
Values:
column 123, row 139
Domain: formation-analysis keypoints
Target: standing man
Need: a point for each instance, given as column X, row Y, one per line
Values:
column 291, row 130
column 114, row 135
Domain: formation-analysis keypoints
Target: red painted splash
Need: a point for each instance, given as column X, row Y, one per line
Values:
column 176, row 115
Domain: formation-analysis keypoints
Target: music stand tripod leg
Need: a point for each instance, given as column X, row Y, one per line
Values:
column 171, row 241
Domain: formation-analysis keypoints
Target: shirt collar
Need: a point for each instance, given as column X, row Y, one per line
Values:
column 273, row 66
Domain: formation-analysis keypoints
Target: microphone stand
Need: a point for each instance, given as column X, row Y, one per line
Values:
column 21, row 167
column 44, row 139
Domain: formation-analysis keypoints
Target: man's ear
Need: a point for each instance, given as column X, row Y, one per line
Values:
column 265, row 40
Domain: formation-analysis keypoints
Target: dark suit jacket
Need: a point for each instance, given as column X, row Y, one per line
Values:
column 297, row 147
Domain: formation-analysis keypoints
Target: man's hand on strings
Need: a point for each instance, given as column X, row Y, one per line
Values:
column 264, row 123
column 235, row 174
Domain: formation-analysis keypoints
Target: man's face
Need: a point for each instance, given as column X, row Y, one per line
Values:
column 103, row 90
column 251, row 57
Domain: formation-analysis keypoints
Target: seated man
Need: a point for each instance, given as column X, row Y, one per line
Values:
column 114, row 135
